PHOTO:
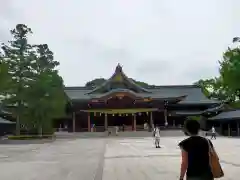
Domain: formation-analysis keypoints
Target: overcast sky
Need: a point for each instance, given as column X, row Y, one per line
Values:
column 157, row 41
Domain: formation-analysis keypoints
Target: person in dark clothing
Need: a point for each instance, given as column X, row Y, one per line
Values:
column 195, row 154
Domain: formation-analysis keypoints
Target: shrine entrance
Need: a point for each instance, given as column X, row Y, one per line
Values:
column 131, row 119
column 119, row 120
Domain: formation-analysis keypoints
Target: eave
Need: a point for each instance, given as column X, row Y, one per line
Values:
column 121, row 111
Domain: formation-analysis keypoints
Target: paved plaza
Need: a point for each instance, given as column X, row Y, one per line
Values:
column 106, row 159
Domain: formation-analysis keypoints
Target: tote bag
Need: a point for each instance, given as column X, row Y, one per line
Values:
column 214, row 162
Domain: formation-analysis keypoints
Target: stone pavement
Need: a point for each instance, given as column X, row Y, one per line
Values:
column 106, row 159
column 61, row 160
column 138, row 159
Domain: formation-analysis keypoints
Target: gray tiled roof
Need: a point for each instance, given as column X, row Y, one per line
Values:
column 228, row 115
column 193, row 113
column 189, row 113
column 193, row 94
column 218, row 108
column 4, row 121
column 74, row 93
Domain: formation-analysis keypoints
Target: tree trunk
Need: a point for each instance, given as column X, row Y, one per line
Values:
column 18, row 125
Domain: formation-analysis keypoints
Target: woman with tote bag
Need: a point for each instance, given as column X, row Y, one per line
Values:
column 199, row 159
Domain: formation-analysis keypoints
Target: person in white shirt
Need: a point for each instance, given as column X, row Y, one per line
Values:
column 116, row 130
column 213, row 133
column 157, row 137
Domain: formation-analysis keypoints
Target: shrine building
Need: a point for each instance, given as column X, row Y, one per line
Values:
column 120, row 100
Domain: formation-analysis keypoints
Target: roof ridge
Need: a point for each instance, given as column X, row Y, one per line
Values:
column 172, row 86
column 77, row 88
column 150, row 87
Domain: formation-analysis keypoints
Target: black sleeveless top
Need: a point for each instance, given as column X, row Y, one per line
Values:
column 198, row 156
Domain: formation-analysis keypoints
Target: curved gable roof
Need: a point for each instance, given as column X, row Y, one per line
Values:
column 121, row 80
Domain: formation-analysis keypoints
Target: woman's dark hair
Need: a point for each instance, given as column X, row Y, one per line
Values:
column 192, row 126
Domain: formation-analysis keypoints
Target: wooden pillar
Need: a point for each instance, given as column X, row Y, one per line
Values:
column 73, row 122
column 134, row 122
column 229, row 130
column 89, row 122
column 165, row 117
column 105, row 122
column 151, row 121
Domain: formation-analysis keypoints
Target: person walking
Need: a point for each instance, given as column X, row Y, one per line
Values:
column 116, row 130
column 213, row 133
column 195, row 154
column 157, row 137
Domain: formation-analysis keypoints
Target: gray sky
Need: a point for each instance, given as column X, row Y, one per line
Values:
column 157, row 41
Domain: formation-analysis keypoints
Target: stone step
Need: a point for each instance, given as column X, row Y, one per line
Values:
column 175, row 133
column 65, row 135
column 68, row 135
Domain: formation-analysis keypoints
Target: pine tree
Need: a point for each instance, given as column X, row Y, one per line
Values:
column 18, row 56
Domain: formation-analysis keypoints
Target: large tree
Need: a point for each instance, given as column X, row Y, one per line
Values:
column 226, row 87
column 230, row 69
column 214, row 89
column 17, row 55
column 47, row 96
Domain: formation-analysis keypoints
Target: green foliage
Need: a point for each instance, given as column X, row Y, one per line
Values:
column 35, row 90
column 205, row 85
column 235, row 104
column 196, row 118
column 46, row 90
column 4, row 76
column 214, row 89
column 230, row 70
column 96, row 82
column 236, row 39
column 226, row 87
column 17, row 56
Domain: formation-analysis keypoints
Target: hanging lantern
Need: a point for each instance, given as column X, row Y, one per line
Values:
column 147, row 113
column 126, row 114
column 139, row 114
column 119, row 114
column 94, row 114
column 100, row 114
column 112, row 114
